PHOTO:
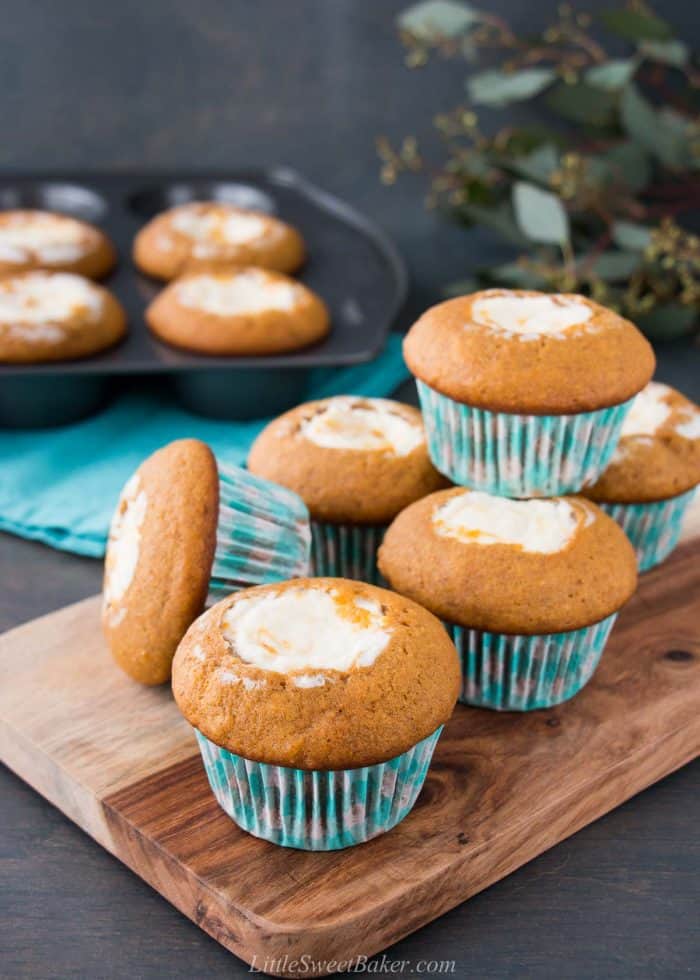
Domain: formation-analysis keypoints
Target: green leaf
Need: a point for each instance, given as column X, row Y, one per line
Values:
column 673, row 53
column 499, row 218
column 612, row 75
column 668, row 322
column 437, row 18
column 662, row 134
column 632, row 236
column 634, row 25
column 629, row 164
column 583, row 103
column 612, row 266
column 515, row 275
column 497, row 88
column 462, row 287
column 538, row 165
column 540, row 214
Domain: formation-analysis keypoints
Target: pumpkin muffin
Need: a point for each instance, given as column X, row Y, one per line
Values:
column 214, row 235
column 529, row 589
column 355, row 462
column 186, row 525
column 655, row 469
column 524, row 393
column 56, row 316
column 317, row 704
column 238, row 311
column 32, row 239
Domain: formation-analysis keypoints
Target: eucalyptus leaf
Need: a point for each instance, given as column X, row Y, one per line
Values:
column 497, row 88
column 438, row 18
column 538, row 165
column 668, row 322
column 630, row 235
column 540, row 214
column 612, row 75
column 674, row 53
column 661, row 134
column 499, row 218
column 583, row 103
column 626, row 163
column 613, row 266
column 462, row 287
column 636, row 25
column 515, row 275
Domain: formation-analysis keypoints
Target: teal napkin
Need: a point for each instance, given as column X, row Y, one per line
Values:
column 60, row 486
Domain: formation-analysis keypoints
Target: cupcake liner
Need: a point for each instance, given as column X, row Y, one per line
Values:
column 316, row 810
column 518, row 455
column 263, row 533
column 653, row 528
column 347, row 550
column 521, row 673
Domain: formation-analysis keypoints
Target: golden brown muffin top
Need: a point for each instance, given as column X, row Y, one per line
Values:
column 524, row 352
column 159, row 557
column 355, row 460
column 658, row 455
column 510, row 566
column 316, row 674
column 214, row 234
column 35, row 239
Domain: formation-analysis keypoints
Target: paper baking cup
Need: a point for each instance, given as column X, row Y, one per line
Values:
column 263, row 534
column 654, row 528
column 347, row 550
column 314, row 810
column 518, row 455
column 521, row 673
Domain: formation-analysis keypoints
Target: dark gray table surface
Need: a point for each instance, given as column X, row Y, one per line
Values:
column 211, row 85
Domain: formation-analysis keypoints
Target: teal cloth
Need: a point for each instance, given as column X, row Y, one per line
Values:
column 60, row 486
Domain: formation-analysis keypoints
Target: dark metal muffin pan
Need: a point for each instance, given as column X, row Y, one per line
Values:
column 351, row 265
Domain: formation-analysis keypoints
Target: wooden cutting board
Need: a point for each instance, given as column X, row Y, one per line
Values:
column 120, row 761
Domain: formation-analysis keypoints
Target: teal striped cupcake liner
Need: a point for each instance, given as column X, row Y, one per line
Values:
column 522, row 673
column 347, row 550
column 316, row 810
column 263, row 533
column 518, row 455
column 653, row 528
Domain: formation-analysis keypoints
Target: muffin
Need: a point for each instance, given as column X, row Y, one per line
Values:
column 186, row 525
column 524, row 393
column 317, row 704
column 654, row 471
column 355, row 462
column 214, row 235
column 528, row 589
column 45, row 240
column 239, row 311
column 56, row 316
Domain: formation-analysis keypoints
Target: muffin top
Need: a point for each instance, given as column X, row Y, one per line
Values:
column 355, row 460
column 215, row 234
column 658, row 455
column 510, row 566
column 47, row 316
column 159, row 555
column 34, row 239
column 317, row 673
column 524, row 352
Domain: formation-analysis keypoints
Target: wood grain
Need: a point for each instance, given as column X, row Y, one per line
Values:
column 120, row 761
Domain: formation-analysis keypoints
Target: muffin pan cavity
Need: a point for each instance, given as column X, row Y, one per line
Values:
column 352, row 266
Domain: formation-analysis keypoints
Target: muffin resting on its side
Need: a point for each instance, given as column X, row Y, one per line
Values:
column 317, row 704
column 524, row 393
column 214, row 235
column 651, row 479
column 356, row 462
column 529, row 589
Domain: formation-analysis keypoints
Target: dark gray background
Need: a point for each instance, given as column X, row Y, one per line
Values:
column 211, row 84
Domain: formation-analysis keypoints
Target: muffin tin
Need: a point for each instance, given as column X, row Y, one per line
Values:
column 352, row 266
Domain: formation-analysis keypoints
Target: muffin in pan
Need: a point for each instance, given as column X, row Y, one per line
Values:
column 238, row 311
column 529, row 589
column 651, row 479
column 356, row 462
column 186, row 525
column 215, row 235
column 56, row 316
column 317, row 704
column 524, row 393
column 34, row 239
